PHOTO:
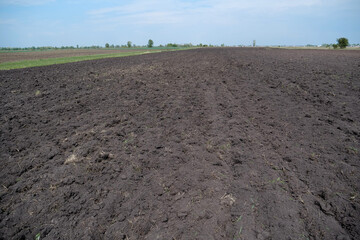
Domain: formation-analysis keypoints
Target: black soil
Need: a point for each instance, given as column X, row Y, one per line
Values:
column 228, row 143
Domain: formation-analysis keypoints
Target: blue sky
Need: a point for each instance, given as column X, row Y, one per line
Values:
column 25, row 23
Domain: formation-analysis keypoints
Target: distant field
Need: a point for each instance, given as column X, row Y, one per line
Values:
column 315, row 48
column 22, row 59
column 11, row 56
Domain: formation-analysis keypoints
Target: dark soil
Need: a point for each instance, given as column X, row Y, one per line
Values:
column 228, row 143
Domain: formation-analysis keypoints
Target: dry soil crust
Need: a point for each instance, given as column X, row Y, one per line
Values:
column 201, row 144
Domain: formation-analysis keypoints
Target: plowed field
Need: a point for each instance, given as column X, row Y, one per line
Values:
column 223, row 143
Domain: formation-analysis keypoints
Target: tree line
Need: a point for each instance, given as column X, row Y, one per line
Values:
column 341, row 43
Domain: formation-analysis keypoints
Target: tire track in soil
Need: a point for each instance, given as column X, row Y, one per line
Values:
column 247, row 187
column 294, row 187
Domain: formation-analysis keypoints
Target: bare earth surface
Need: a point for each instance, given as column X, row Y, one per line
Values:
column 32, row 55
column 201, row 144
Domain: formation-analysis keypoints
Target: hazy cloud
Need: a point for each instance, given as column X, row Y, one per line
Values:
column 7, row 21
column 91, row 22
column 25, row 2
column 180, row 11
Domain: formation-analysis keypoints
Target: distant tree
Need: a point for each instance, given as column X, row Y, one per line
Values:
column 254, row 43
column 335, row 46
column 343, row 42
column 107, row 45
column 150, row 43
column 171, row 45
column 129, row 44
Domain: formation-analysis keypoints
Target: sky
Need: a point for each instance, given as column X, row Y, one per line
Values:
column 26, row 23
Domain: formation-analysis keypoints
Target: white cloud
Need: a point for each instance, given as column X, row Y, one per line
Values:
column 141, row 5
column 195, row 12
column 25, row 2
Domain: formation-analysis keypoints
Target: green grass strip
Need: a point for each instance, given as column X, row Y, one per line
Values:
column 51, row 61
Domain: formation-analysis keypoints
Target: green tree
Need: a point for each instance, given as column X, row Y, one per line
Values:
column 150, row 43
column 171, row 45
column 343, row 42
column 107, row 45
column 129, row 44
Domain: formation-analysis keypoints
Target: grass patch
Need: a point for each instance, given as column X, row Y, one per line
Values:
column 51, row 61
